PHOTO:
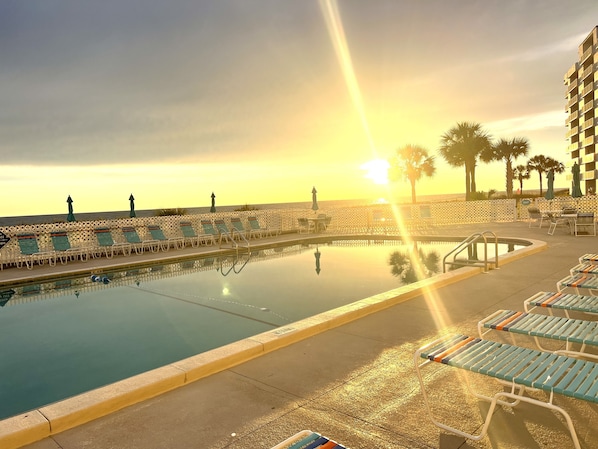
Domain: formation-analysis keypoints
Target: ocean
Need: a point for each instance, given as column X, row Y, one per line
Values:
column 323, row 205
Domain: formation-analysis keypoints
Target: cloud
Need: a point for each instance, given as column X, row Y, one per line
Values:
column 532, row 122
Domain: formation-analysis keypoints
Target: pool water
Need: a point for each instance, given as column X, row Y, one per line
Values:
column 63, row 337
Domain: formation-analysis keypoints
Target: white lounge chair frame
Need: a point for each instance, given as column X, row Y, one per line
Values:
column 517, row 367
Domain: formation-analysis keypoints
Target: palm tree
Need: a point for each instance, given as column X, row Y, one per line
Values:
column 411, row 163
column 461, row 145
column 543, row 164
column 520, row 173
column 506, row 150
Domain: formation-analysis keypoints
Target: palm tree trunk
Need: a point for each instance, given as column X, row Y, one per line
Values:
column 467, row 184
column 413, row 191
column 473, row 186
column 509, row 179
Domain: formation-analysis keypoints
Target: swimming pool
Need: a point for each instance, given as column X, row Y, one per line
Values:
column 69, row 335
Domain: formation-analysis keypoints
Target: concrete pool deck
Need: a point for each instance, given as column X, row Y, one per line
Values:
column 347, row 374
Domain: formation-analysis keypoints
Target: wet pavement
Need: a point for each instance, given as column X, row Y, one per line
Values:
column 356, row 383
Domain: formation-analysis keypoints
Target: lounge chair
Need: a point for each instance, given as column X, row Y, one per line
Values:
column 64, row 251
column 107, row 245
column 535, row 214
column 579, row 282
column 223, row 229
column 209, row 229
column 192, row 237
column 517, row 367
column 131, row 236
column 165, row 242
column 541, row 326
column 238, row 227
column 308, row 439
column 257, row 230
column 564, row 302
column 30, row 252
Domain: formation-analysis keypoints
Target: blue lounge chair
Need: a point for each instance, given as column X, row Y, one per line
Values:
column 64, row 251
column 31, row 253
column 107, row 245
column 139, row 245
column 238, row 227
column 192, row 237
column 518, row 367
column 256, row 229
column 165, row 242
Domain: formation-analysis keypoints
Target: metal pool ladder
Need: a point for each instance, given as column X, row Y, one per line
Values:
column 470, row 244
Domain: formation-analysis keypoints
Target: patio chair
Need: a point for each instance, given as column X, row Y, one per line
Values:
column 535, row 214
column 108, row 246
column 557, row 220
column 540, row 326
column 513, row 366
column 308, row 439
column 209, row 229
column 192, row 237
column 584, row 224
column 64, row 251
column 131, row 236
column 31, row 253
column 305, row 226
column 165, row 242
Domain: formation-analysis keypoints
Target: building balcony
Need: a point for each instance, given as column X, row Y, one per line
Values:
column 588, row 158
column 573, row 147
column 587, row 106
column 588, row 175
column 572, row 132
column 572, row 101
column 586, row 54
column 587, row 72
column 587, row 90
column 571, row 117
column 572, row 72
column 572, row 85
column 588, row 141
column 587, row 124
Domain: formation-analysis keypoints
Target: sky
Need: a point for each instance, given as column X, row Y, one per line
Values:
column 260, row 101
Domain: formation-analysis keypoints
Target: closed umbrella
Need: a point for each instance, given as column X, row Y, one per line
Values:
column 317, row 255
column 213, row 208
column 550, row 191
column 132, row 206
column 314, row 199
column 71, row 215
column 576, row 187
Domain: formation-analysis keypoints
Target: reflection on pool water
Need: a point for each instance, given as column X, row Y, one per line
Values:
column 67, row 336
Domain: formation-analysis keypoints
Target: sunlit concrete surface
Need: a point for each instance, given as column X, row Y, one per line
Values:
column 354, row 379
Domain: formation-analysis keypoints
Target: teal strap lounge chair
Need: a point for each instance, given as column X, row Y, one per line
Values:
column 562, row 301
column 165, row 242
column 306, row 439
column 64, row 251
column 540, row 326
column 209, row 229
column 192, row 237
column 257, row 230
column 31, row 253
column 580, row 282
column 238, row 227
column 131, row 236
column 223, row 229
column 107, row 246
column 515, row 367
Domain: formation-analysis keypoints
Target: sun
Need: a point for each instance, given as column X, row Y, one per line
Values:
column 376, row 170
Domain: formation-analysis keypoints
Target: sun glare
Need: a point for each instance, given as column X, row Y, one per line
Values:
column 376, row 170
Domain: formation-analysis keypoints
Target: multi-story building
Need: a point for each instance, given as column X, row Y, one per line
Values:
column 582, row 120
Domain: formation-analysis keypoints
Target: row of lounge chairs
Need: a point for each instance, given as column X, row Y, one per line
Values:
column 568, row 366
column 30, row 252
